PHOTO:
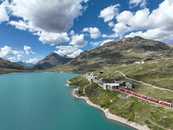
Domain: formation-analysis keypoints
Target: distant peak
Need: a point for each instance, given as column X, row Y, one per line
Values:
column 53, row 53
column 134, row 38
column 56, row 55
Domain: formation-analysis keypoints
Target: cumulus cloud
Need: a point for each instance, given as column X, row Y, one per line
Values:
column 77, row 40
column 157, row 34
column 22, row 25
column 93, row 31
column 27, row 50
column 44, row 37
column 127, row 21
column 69, row 51
column 124, row 16
column 48, row 20
column 141, row 3
column 72, row 32
column 109, row 13
column 94, row 44
column 11, row 54
column 110, row 36
column 120, row 28
column 156, row 24
column 17, row 55
column 111, row 24
column 54, row 16
column 3, row 13
column 53, row 38
column 32, row 60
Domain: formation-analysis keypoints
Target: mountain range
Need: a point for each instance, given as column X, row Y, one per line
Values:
column 7, row 66
column 52, row 60
column 125, row 51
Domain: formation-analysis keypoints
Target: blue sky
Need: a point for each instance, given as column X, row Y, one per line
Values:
column 30, row 30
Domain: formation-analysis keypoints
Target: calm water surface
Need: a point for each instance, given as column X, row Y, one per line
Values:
column 42, row 101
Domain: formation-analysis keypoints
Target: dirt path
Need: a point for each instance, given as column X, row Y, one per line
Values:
column 147, row 84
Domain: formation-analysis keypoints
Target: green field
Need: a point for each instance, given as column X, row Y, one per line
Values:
column 157, row 72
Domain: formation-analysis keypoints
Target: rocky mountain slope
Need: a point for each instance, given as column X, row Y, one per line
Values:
column 126, row 51
column 7, row 66
column 51, row 60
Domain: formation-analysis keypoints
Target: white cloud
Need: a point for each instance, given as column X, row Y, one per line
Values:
column 48, row 20
column 72, row 32
column 93, row 31
column 44, row 37
column 32, row 60
column 127, row 21
column 120, row 28
column 78, row 40
column 11, row 54
column 141, row 3
column 22, row 25
column 3, row 13
column 156, row 34
column 17, row 55
column 54, row 16
column 94, row 44
column 27, row 50
column 53, row 38
column 162, row 16
column 156, row 24
column 7, row 51
column 110, row 36
column 124, row 16
column 140, row 19
column 109, row 13
column 106, row 41
column 111, row 24
column 69, row 51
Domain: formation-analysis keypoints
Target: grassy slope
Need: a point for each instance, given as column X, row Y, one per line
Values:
column 159, row 73
column 128, row 107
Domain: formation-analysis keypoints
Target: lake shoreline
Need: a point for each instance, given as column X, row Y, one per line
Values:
column 109, row 115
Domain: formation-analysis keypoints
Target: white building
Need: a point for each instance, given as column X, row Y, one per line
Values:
column 139, row 62
column 110, row 86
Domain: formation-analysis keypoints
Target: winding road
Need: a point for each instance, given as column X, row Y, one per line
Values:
column 147, row 84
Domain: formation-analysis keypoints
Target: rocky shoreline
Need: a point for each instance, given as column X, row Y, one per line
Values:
column 110, row 115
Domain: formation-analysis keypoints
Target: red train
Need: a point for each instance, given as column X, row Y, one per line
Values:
column 166, row 103
column 144, row 98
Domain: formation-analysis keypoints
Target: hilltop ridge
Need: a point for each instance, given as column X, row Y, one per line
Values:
column 7, row 66
column 51, row 60
column 125, row 51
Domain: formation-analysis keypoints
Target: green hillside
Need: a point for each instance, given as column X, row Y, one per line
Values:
column 126, row 51
column 130, row 108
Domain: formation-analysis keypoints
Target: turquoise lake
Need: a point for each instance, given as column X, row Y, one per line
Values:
column 42, row 101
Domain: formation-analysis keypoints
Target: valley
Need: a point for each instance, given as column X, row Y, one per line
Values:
column 146, row 64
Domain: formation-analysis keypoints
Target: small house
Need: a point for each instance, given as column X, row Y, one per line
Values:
column 126, row 85
column 111, row 86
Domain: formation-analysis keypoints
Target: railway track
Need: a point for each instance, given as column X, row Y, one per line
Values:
column 145, row 98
